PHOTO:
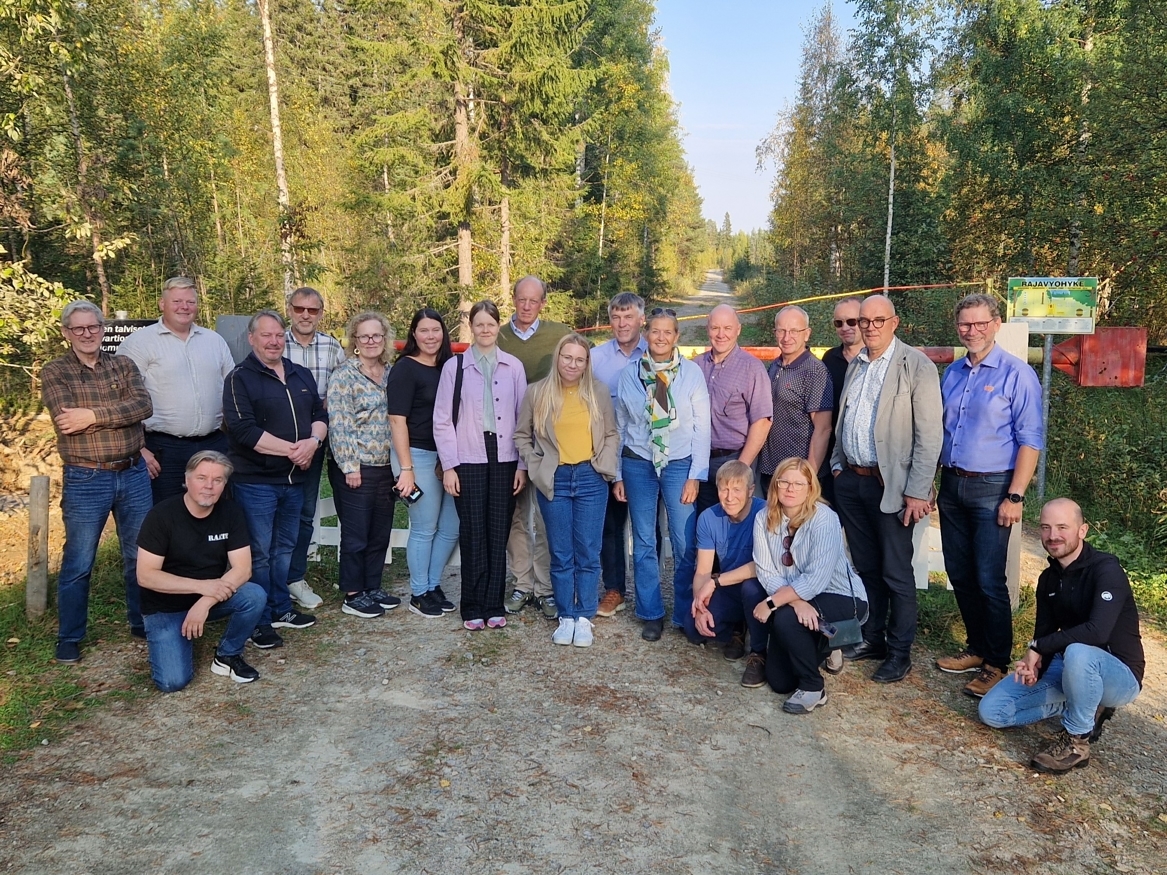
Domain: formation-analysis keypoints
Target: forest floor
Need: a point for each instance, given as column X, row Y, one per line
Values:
column 404, row 744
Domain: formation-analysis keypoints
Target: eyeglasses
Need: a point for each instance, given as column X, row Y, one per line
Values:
column 792, row 484
column 82, row 330
column 878, row 321
column 979, row 327
column 370, row 338
column 783, row 332
column 850, row 323
column 663, row 311
column 300, row 311
column 787, row 559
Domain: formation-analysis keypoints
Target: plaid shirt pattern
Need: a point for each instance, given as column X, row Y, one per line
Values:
column 320, row 357
column 114, row 390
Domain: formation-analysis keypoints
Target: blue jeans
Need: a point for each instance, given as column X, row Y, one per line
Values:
column 1075, row 685
column 975, row 551
column 87, row 497
column 575, row 529
column 172, row 655
column 642, row 485
column 298, row 564
column 273, row 517
column 433, row 525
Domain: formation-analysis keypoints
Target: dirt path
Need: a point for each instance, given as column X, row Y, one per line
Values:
column 408, row 745
column 712, row 292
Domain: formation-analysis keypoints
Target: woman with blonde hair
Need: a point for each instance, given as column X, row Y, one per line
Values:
column 359, row 470
column 567, row 436
column 801, row 563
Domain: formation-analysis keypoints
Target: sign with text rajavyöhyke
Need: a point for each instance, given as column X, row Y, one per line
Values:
column 1054, row 304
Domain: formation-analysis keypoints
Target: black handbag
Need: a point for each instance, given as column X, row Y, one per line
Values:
column 850, row 630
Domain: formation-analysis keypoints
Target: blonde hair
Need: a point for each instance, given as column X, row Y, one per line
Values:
column 547, row 394
column 350, row 333
column 802, row 514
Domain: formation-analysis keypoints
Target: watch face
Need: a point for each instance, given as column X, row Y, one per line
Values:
column 1016, row 498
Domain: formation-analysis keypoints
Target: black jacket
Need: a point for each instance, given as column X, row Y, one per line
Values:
column 1089, row 602
column 255, row 400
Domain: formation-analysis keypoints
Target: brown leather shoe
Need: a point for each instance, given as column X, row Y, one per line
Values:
column 610, row 603
column 735, row 648
column 988, row 677
column 959, row 664
column 755, row 674
column 1066, row 753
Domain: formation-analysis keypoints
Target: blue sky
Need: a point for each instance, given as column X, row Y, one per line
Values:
column 733, row 66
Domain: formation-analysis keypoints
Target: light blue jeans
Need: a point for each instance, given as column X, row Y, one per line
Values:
column 1075, row 685
column 433, row 524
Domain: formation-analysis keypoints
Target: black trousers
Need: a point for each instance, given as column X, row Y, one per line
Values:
column 486, row 507
column 795, row 652
column 366, row 524
column 172, row 453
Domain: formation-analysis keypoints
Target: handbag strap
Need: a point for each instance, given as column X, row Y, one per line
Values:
column 457, row 391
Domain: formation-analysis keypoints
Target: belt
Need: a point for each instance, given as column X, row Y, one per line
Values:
column 718, row 452
column 119, row 465
column 863, row 471
column 628, row 454
column 180, row 437
column 960, row 472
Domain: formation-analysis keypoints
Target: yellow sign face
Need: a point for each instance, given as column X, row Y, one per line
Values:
column 1054, row 304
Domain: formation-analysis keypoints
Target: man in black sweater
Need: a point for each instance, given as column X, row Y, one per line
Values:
column 1086, row 656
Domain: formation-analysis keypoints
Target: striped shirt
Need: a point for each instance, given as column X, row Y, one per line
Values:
column 820, row 563
column 321, row 357
column 113, row 389
column 858, row 434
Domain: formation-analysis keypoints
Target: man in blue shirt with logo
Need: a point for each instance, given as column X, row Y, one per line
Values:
column 992, row 438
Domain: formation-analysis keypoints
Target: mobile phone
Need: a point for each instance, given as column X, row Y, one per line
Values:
column 413, row 496
column 829, row 630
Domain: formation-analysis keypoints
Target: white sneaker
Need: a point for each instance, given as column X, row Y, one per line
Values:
column 302, row 593
column 565, row 633
column 583, row 632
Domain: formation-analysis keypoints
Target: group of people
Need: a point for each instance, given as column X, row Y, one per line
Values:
column 532, row 450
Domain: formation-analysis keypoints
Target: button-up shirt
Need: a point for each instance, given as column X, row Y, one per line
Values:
column 858, row 434
column 183, row 376
column 689, row 432
column 526, row 334
column 320, row 357
column 608, row 360
column 113, row 389
column 990, row 410
column 797, row 389
column 739, row 396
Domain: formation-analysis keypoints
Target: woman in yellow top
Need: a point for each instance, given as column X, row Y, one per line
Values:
column 567, row 436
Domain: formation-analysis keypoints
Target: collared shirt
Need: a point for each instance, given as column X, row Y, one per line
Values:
column 524, row 334
column 320, row 357
column 739, row 396
column 689, row 434
column 183, row 376
column 358, row 418
column 798, row 388
column 608, row 360
column 858, row 435
column 487, row 362
column 819, row 561
column 990, row 410
column 113, row 390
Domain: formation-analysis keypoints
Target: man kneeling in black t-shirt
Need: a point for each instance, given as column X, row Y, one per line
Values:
column 194, row 561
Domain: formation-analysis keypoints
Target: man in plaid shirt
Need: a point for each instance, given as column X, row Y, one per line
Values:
column 98, row 402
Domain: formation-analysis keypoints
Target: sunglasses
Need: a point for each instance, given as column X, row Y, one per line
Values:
column 300, row 311
column 787, row 559
column 850, row 323
column 663, row 311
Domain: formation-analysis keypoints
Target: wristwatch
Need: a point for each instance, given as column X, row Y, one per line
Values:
column 770, row 604
column 717, row 581
column 1032, row 645
column 1015, row 497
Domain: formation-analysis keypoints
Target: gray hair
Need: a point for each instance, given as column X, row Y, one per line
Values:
column 792, row 308
column 306, row 292
column 179, row 282
column 253, row 322
column 735, row 469
column 530, row 278
column 81, row 307
column 626, row 301
column 850, row 300
column 213, row 456
column 978, row 299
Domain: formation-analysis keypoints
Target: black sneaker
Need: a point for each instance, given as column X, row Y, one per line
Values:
column 425, row 605
column 234, row 667
column 446, row 605
column 68, row 652
column 362, row 604
column 388, row 602
column 293, row 619
column 265, row 638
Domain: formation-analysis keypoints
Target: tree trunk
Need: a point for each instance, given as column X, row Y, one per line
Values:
column 463, row 159
column 287, row 256
column 91, row 217
column 215, row 206
column 891, row 195
column 1072, row 267
column 504, row 256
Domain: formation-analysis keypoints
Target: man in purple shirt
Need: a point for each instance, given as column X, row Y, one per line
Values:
column 992, row 437
column 739, row 400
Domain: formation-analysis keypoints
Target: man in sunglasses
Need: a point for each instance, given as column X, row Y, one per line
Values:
column 320, row 353
column 98, row 403
column 846, row 322
column 887, row 445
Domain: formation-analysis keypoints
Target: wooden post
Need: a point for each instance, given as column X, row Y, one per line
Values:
column 36, row 591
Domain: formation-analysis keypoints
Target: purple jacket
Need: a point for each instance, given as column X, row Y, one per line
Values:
column 465, row 445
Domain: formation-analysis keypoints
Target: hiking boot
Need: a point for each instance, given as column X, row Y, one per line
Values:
column 265, row 638
column 548, row 606
column 565, row 634
column 1100, row 717
column 68, row 652
column 959, row 664
column 735, row 648
column 362, row 604
column 293, row 620
column 302, row 595
column 388, row 602
column 610, row 603
column 803, row 702
column 583, row 633
column 234, row 667
column 426, row 605
column 988, row 677
column 834, row 662
column 755, row 674
column 444, row 603
column 516, row 601
column 1066, row 753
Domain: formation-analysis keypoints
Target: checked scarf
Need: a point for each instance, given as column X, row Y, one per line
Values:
column 657, row 378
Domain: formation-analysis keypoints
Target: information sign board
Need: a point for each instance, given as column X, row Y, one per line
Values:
column 1054, row 304
column 117, row 330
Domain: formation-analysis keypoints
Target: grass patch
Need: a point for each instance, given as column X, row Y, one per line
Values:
column 940, row 628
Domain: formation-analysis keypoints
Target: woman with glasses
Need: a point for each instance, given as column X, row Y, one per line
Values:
column 475, row 413
column 662, row 413
column 359, row 470
column 433, row 519
column 801, row 563
column 567, row 436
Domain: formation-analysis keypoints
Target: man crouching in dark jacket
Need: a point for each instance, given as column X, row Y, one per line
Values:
column 1086, row 656
column 276, row 422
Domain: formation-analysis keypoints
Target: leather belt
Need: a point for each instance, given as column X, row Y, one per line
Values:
column 863, row 471
column 718, row 452
column 182, row 437
column 960, row 472
column 119, row 465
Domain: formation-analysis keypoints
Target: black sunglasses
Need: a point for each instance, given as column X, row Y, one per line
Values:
column 787, row 559
column 663, row 311
column 850, row 323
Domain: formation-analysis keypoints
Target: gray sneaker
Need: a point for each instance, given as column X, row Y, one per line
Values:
column 516, row 601
column 802, row 702
column 548, row 606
